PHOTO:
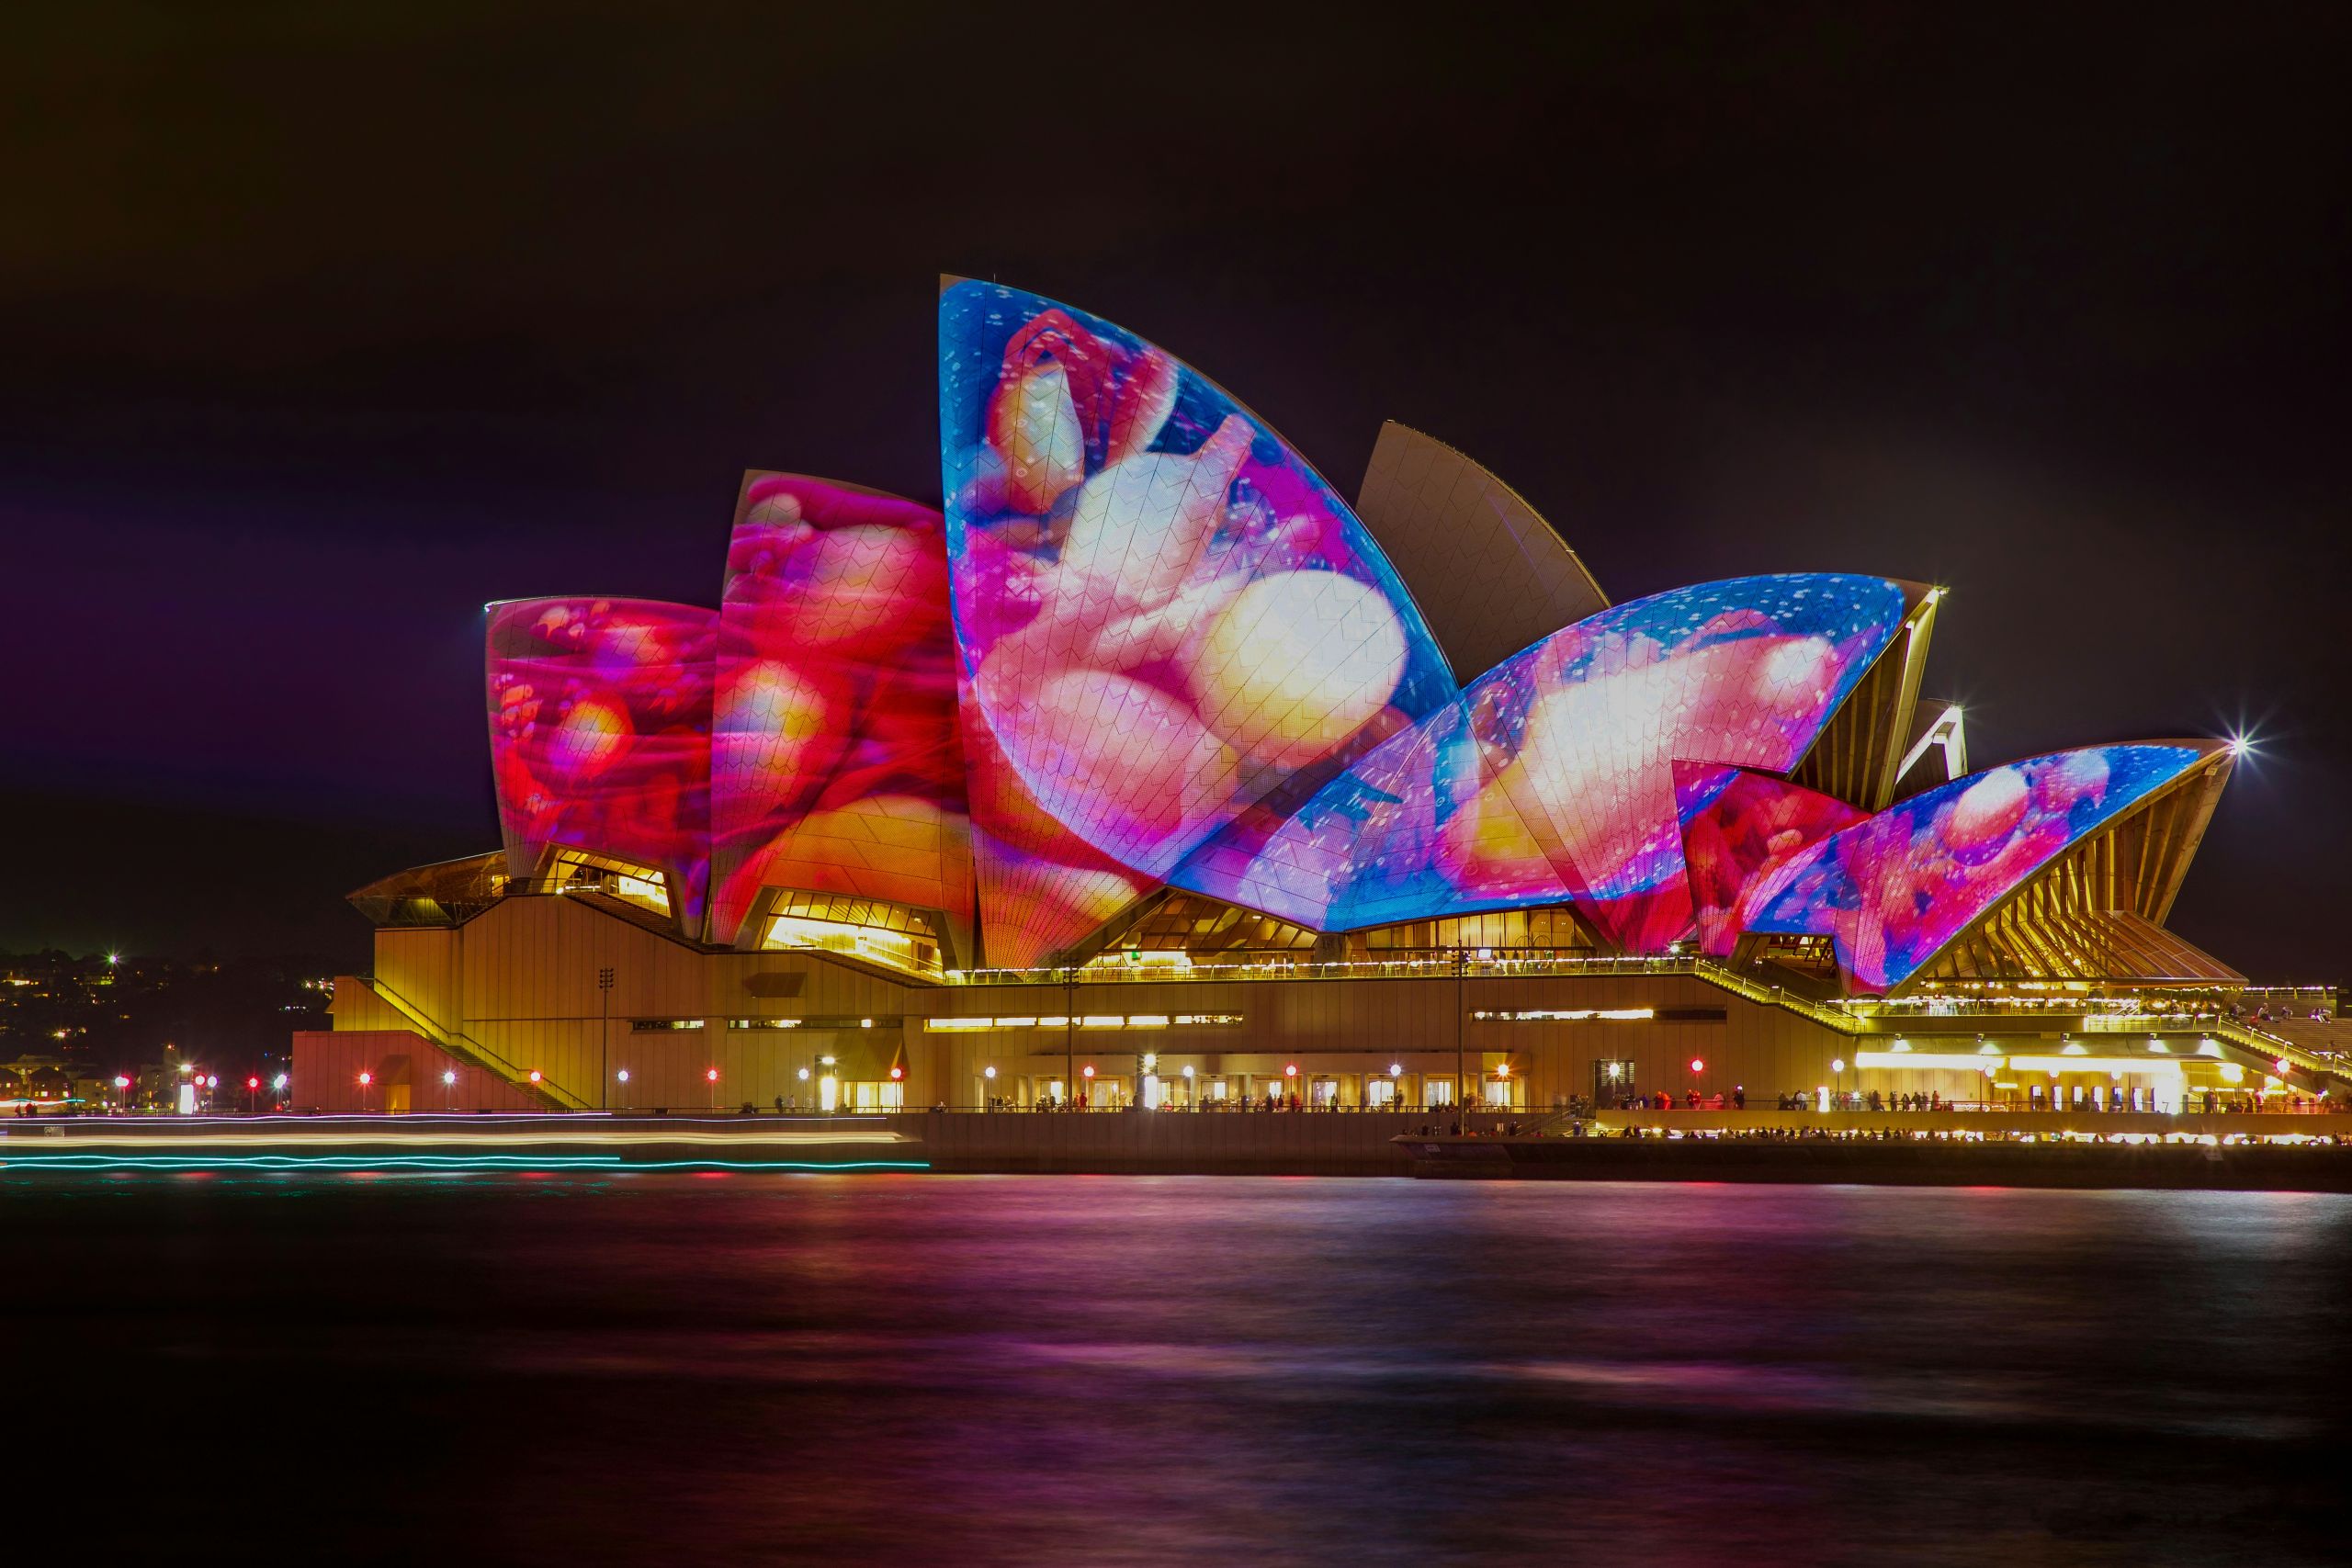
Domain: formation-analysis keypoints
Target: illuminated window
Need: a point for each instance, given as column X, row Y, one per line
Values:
column 579, row 872
column 964, row 1025
column 1578, row 1015
column 909, row 950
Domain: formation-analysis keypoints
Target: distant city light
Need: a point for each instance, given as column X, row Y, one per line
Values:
column 367, row 1078
column 988, row 1072
column 1395, row 1070
column 279, row 1083
column 1290, row 1069
column 1087, row 1071
column 712, row 1076
column 1697, row 1063
column 623, row 1074
column 448, row 1079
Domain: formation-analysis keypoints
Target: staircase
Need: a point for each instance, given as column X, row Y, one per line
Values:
column 2330, row 1073
column 473, row 1053
column 1739, row 985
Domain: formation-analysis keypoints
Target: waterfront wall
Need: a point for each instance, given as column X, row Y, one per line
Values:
column 1145, row 1142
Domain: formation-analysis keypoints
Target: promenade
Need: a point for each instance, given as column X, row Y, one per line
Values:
column 2306, row 1152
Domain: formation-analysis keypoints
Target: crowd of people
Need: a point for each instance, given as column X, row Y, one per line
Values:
column 1664, row 1101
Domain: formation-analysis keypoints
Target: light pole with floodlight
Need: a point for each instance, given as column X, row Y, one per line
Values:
column 605, row 1037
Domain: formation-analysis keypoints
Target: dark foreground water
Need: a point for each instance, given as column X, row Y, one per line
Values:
column 1026, row 1370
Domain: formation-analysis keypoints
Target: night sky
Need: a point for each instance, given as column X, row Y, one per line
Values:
column 325, row 327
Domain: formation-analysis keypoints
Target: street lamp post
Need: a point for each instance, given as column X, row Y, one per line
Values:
column 1461, row 992
column 605, row 1037
column 1070, row 1028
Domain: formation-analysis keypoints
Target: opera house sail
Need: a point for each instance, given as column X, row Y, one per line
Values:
column 1146, row 651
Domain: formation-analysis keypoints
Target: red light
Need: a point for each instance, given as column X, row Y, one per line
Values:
column 1698, row 1064
column 1290, row 1070
column 713, row 1075
column 898, row 1072
column 252, row 1083
column 367, row 1078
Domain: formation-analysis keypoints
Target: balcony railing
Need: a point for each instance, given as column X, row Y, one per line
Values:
column 1434, row 967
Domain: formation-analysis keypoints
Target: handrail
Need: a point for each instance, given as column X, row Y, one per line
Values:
column 1739, row 985
column 465, row 1044
column 1309, row 969
column 2262, row 1042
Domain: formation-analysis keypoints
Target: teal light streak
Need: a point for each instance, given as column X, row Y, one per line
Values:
column 432, row 1162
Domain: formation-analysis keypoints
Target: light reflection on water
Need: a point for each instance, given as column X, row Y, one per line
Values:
column 1135, row 1370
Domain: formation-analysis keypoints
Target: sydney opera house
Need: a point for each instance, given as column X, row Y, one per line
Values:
column 1150, row 771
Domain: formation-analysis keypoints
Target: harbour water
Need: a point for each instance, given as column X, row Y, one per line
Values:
column 729, row 1368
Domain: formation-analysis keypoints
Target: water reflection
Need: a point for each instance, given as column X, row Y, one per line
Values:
column 1103, row 1371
